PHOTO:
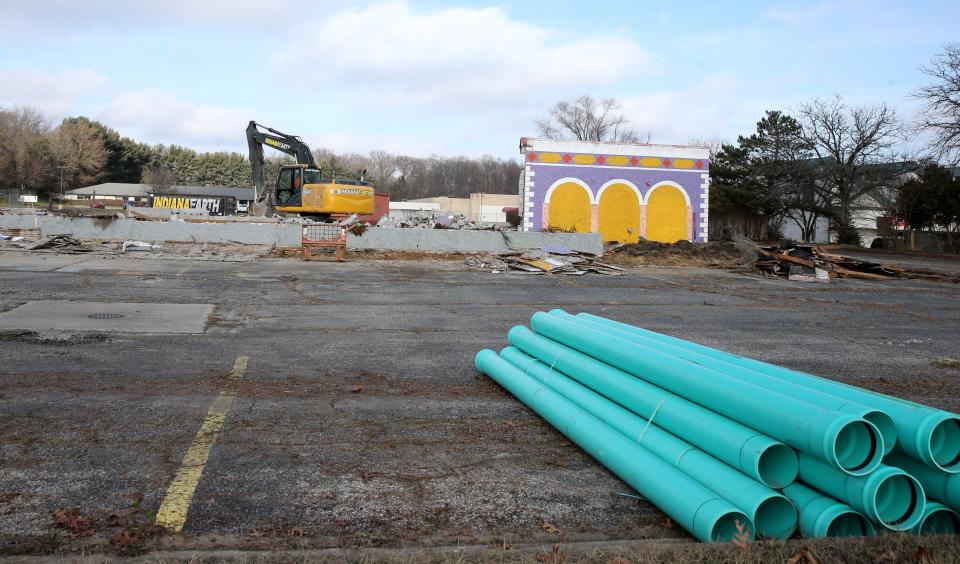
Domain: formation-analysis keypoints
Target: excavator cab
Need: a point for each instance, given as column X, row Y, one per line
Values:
column 290, row 186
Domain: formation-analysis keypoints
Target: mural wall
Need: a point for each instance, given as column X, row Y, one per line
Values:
column 623, row 192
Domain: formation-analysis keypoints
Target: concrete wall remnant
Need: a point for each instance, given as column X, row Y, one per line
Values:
column 289, row 235
column 468, row 241
column 280, row 234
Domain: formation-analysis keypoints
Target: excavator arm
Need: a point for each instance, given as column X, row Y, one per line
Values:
column 289, row 144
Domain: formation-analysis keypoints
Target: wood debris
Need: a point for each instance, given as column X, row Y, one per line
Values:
column 60, row 243
column 539, row 261
column 813, row 263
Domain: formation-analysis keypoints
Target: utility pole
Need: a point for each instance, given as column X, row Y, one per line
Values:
column 60, row 204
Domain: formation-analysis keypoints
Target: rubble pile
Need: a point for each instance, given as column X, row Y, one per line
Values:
column 61, row 243
column 544, row 261
column 430, row 220
column 813, row 263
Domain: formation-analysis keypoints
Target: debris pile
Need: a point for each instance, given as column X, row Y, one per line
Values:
column 430, row 220
column 61, row 243
column 813, row 263
column 719, row 253
column 550, row 260
column 137, row 246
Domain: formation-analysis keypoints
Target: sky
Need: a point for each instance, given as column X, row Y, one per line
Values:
column 454, row 78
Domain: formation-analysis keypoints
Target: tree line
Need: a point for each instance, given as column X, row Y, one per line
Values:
column 831, row 159
column 36, row 156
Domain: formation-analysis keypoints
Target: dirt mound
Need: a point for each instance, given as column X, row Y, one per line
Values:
column 715, row 253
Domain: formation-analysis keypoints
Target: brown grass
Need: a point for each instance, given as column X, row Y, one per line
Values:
column 885, row 549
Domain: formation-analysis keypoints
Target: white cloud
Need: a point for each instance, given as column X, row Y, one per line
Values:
column 715, row 105
column 53, row 93
column 159, row 116
column 454, row 57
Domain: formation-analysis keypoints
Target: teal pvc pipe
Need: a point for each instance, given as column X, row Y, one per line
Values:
column 822, row 516
column 842, row 440
column 939, row 485
column 772, row 514
column 753, row 453
column 883, row 422
column 703, row 513
column 889, row 496
column 928, row 434
column 938, row 519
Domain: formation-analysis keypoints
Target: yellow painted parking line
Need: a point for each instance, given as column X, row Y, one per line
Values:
column 176, row 503
column 239, row 367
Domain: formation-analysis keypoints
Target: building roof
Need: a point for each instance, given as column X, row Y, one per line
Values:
column 144, row 190
column 528, row 144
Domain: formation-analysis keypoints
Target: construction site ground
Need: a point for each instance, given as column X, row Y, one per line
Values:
column 360, row 428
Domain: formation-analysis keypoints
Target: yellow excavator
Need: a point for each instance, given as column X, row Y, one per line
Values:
column 302, row 188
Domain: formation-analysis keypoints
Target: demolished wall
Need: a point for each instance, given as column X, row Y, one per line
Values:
column 289, row 235
column 462, row 241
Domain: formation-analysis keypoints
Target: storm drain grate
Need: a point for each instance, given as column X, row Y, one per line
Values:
column 106, row 316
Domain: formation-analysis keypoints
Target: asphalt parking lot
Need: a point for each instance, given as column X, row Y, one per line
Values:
column 358, row 419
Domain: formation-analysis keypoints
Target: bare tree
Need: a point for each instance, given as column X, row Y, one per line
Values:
column 941, row 112
column 586, row 119
column 713, row 144
column 160, row 179
column 78, row 147
column 382, row 167
column 854, row 150
column 25, row 160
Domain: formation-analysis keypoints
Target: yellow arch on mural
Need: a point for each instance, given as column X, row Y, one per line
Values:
column 667, row 213
column 618, row 212
column 568, row 207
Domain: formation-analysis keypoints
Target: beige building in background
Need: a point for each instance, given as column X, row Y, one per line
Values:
column 485, row 208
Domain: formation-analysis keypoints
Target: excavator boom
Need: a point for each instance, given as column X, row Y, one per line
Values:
column 290, row 144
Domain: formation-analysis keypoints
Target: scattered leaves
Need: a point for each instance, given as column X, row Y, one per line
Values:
column 803, row 556
column 550, row 528
column 124, row 538
column 73, row 521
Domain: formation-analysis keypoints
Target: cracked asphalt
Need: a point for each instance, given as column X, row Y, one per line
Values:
column 428, row 452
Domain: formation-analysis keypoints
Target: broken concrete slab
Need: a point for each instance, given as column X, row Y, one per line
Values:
column 61, row 316
column 465, row 241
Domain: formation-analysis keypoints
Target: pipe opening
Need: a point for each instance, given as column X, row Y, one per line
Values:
column 940, row 522
column 858, row 448
column 849, row 524
column 733, row 523
column 945, row 444
column 777, row 466
column 775, row 518
column 896, row 502
column 886, row 427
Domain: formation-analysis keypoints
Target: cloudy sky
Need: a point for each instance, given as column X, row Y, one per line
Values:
column 422, row 77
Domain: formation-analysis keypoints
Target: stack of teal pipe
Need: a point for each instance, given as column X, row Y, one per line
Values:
column 730, row 447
